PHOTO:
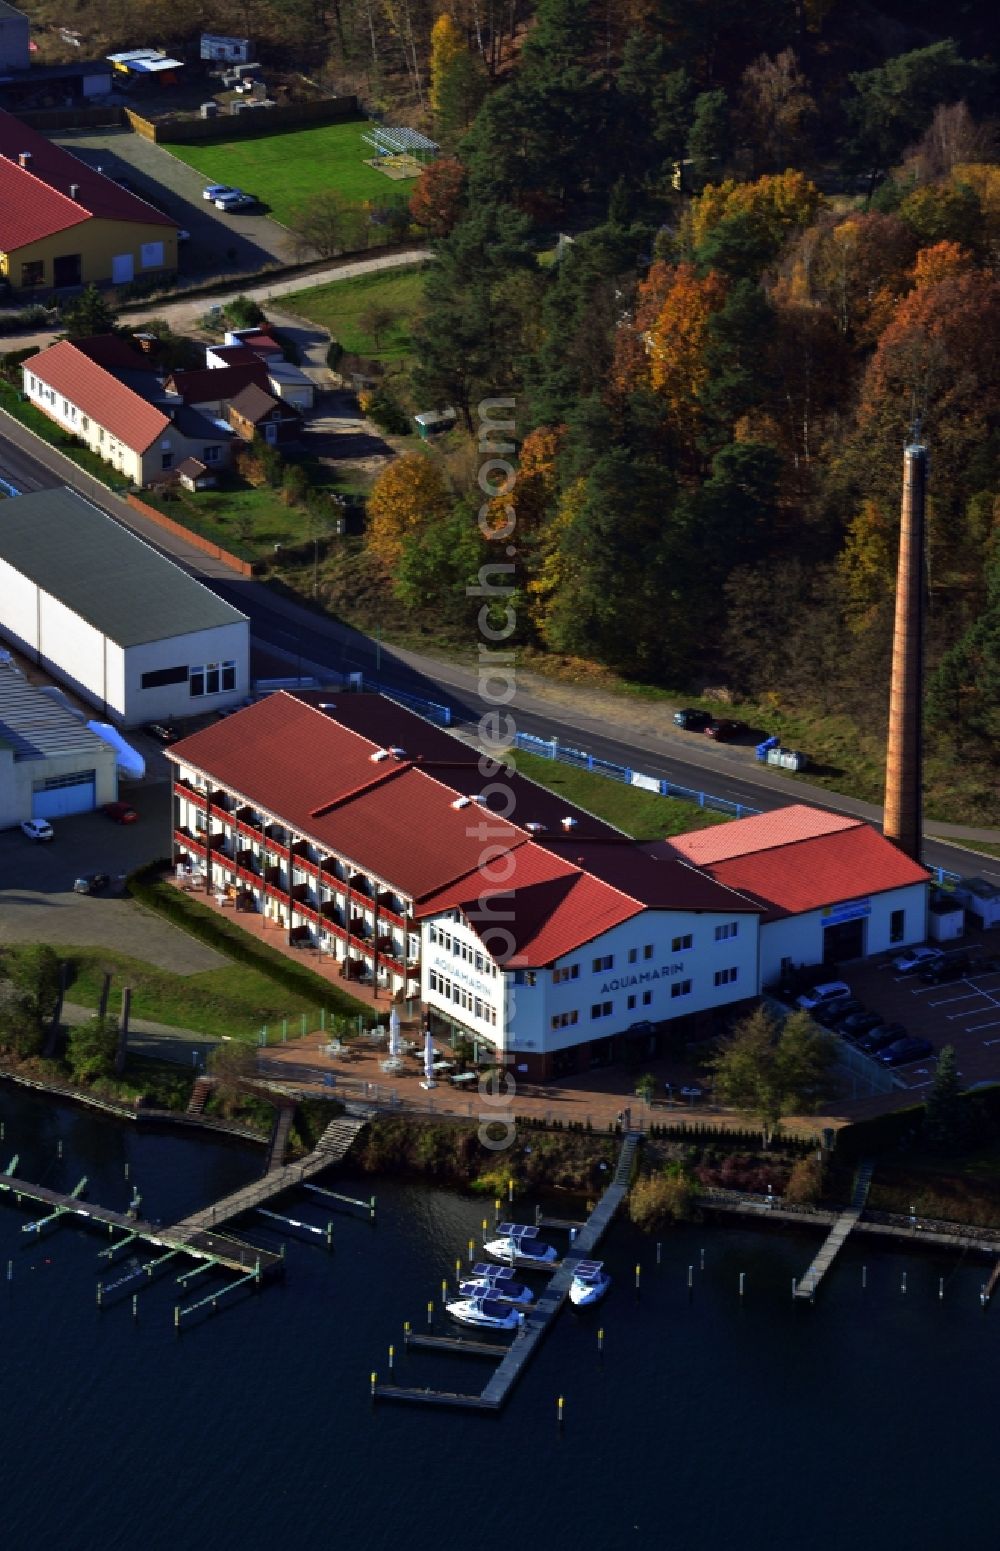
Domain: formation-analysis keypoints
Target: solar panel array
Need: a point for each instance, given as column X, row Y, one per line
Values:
column 398, row 140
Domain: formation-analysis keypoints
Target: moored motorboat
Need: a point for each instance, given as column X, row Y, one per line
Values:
column 516, row 1242
column 590, row 1283
column 491, row 1313
column 486, row 1281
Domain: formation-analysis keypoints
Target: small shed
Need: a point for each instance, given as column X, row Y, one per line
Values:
column 981, row 899
column 220, row 47
column 195, row 475
column 945, row 917
column 290, row 383
column 433, row 421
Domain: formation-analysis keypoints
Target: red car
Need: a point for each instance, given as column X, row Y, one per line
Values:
column 724, row 730
column 121, row 812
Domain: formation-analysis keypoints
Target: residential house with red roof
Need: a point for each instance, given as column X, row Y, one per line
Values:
column 64, row 224
column 830, row 888
column 105, row 392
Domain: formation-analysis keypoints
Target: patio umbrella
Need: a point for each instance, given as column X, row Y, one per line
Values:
column 429, row 1062
column 394, row 1034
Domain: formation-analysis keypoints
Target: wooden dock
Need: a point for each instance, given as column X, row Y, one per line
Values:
column 332, row 1147
column 838, row 1235
column 492, row 1349
column 540, row 1316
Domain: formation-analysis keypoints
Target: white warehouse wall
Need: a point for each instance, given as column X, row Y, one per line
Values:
column 222, row 643
column 800, row 938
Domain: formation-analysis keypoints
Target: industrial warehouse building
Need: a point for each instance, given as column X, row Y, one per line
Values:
column 543, row 934
column 123, row 626
column 50, row 763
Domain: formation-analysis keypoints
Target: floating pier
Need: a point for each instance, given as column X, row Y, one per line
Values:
column 538, row 1319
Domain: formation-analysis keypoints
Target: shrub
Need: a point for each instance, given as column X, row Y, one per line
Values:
column 658, row 1199
column 243, row 313
column 387, row 412
column 805, row 1182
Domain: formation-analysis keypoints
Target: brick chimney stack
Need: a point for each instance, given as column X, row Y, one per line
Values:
column 904, row 753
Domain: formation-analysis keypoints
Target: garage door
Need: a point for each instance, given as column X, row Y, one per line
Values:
column 122, row 268
column 63, row 795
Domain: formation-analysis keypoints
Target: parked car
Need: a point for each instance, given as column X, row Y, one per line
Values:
column 724, row 729
column 37, row 829
column 828, row 991
column 214, row 191
column 163, row 732
column 91, row 883
column 235, row 200
column 916, row 958
column 835, row 1014
column 882, row 1038
column 120, row 812
column 909, row 1049
column 861, row 1023
column 955, row 967
column 692, row 721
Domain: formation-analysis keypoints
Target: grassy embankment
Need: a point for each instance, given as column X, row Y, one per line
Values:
column 341, row 305
column 286, row 168
column 641, row 814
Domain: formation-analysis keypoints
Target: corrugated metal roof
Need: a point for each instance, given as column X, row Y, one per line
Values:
column 37, row 727
column 96, row 392
column 104, row 573
column 35, row 202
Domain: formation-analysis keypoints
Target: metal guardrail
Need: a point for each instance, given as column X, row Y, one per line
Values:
column 551, row 748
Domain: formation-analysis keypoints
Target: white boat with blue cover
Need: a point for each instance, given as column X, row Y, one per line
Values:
column 590, row 1283
column 487, row 1281
column 514, row 1242
column 491, row 1313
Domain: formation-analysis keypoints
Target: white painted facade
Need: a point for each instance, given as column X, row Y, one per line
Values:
column 799, row 939
column 109, row 676
column 656, row 967
column 139, row 465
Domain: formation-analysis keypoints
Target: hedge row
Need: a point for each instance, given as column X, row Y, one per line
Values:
column 147, row 886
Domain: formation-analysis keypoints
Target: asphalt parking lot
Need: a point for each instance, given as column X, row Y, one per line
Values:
column 38, row 904
column 964, row 1012
column 219, row 242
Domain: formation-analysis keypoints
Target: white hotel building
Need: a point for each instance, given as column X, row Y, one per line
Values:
column 540, row 932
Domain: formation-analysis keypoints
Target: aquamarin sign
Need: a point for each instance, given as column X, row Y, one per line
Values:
column 663, row 973
column 850, row 910
column 459, row 971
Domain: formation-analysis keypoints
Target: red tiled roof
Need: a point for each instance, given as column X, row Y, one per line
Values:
column 70, row 372
column 397, row 817
column 848, row 863
column 208, row 384
column 35, row 202
column 760, row 832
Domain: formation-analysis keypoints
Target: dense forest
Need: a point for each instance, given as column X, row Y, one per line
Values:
column 780, row 230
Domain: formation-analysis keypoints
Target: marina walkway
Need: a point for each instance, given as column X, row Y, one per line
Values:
column 838, row 1235
column 542, row 1313
column 334, row 1145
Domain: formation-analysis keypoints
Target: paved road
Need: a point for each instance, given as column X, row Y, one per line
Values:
column 301, row 636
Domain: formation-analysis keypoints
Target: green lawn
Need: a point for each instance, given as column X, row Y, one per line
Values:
column 641, row 814
column 284, row 169
column 339, row 306
column 234, row 1000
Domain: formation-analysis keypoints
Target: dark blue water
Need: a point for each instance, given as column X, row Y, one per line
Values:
column 867, row 1421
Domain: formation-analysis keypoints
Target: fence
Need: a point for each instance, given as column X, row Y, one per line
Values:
column 241, row 126
column 551, row 748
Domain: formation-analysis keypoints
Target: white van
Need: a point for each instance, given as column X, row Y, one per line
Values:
column 823, row 995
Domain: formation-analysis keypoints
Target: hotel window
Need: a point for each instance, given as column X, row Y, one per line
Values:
column 647, row 951
column 679, row 944
column 525, row 977
column 681, row 988
column 564, row 1020
column 633, row 954
column 726, row 930
column 479, row 961
column 567, row 972
column 432, row 934
column 606, row 961
column 647, row 998
column 726, row 977
column 630, row 1003
column 601, row 1010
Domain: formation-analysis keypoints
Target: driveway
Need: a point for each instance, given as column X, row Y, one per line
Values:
column 219, row 243
column 37, row 902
